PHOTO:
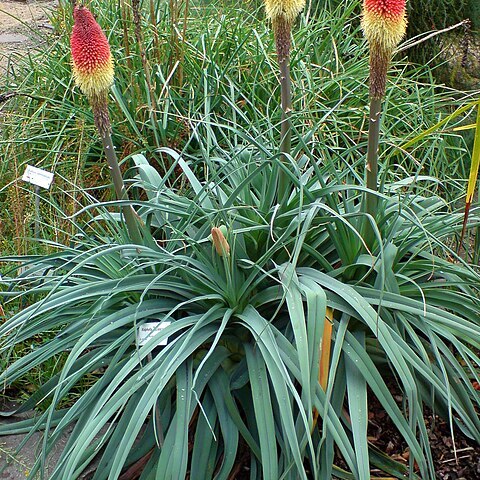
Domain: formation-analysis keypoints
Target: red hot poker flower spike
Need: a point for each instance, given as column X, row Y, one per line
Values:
column 384, row 23
column 92, row 60
column 93, row 73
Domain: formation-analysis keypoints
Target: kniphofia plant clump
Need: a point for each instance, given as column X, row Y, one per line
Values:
column 240, row 372
column 384, row 24
column 93, row 73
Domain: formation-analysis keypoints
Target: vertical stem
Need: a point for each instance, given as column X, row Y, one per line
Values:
column 129, row 214
column 126, row 40
column 173, row 34
column 379, row 61
column 37, row 213
column 146, row 69
column 153, row 23
column 371, row 200
column 286, row 101
column 285, row 129
column 182, row 50
column 372, row 155
column 282, row 33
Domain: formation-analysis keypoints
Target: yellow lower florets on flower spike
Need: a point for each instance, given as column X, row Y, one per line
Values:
column 287, row 10
column 92, row 84
column 384, row 23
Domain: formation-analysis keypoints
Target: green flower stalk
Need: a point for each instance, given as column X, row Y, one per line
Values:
column 93, row 73
column 384, row 24
column 283, row 13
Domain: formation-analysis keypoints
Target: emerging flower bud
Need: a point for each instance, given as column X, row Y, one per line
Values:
column 92, row 60
column 286, row 10
column 384, row 24
column 220, row 242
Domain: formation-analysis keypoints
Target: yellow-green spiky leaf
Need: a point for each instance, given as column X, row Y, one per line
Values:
column 472, row 180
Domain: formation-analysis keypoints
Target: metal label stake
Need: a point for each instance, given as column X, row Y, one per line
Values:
column 40, row 179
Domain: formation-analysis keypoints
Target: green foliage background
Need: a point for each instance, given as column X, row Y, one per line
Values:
column 427, row 15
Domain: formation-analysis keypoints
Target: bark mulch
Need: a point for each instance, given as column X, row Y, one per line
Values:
column 456, row 458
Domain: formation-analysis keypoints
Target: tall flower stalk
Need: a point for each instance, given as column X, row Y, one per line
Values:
column 384, row 23
column 283, row 13
column 93, row 73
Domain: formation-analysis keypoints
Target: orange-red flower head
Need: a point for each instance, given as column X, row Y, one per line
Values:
column 92, row 60
column 384, row 22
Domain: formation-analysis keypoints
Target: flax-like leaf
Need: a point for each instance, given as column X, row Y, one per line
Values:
column 358, row 410
column 263, row 412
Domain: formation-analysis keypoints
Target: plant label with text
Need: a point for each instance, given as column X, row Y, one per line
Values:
column 38, row 177
column 151, row 329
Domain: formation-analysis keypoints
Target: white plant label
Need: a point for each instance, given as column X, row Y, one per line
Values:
column 151, row 329
column 38, row 177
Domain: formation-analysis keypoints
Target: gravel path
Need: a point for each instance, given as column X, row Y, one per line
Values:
column 17, row 466
column 21, row 22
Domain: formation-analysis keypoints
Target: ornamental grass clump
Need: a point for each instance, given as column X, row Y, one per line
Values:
column 93, row 73
column 384, row 24
column 283, row 13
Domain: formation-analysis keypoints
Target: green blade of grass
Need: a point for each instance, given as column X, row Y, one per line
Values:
column 357, row 402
